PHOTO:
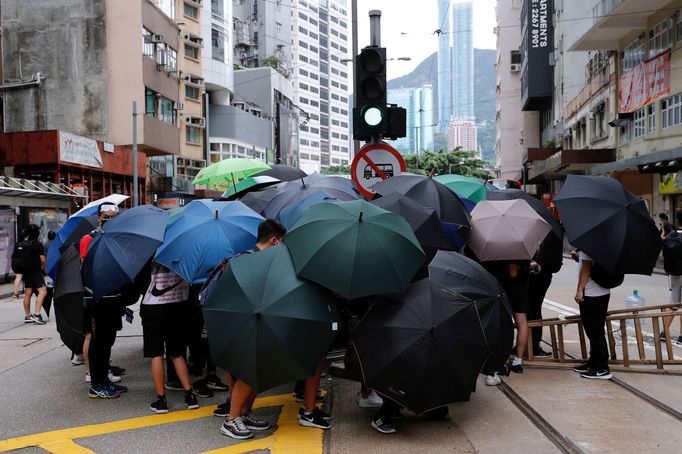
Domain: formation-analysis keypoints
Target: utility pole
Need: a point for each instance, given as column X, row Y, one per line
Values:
column 135, row 195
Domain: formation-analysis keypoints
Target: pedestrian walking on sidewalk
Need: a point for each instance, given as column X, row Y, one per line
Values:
column 593, row 300
column 31, row 252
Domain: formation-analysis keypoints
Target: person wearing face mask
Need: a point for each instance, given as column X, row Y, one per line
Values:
column 102, row 319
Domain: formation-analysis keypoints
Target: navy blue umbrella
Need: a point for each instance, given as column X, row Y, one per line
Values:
column 116, row 256
column 292, row 191
column 204, row 233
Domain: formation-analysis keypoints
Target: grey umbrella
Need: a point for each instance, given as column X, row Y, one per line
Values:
column 506, row 230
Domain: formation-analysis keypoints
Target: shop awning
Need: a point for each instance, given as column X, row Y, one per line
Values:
column 30, row 193
column 565, row 162
column 664, row 157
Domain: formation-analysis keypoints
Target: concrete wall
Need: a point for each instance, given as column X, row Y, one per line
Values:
column 65, row 40
column 228, row 121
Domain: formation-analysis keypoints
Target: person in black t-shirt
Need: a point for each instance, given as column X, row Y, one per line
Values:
column 34, row 278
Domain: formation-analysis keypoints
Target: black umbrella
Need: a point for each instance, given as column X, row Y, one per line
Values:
column 338, row 187
column 609, row 224
column 468, row 278
column 424, row 221
column 283, row 172
column 68, row 299
column 536, row 204
column 429, row 193
column 265, row 325
column 423, row 349
column 257, row 201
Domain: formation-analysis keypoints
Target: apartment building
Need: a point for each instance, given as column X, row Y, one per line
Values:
column 462, row 134
column 320, row 77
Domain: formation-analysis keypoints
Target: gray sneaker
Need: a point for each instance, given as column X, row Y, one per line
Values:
column 236, row 429
column 252, row 422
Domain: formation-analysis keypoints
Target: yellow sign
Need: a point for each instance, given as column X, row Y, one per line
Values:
column 670, row 183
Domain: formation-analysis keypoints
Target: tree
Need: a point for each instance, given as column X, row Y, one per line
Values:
column 336, row 170
column 272, row 61
column 441, row 163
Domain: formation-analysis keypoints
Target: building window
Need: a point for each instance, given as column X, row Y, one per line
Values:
column 660, row 37
column 638, row 124
column 147, row 44
column 172, row 60
column 193, row 135
column 278, row 28
column 192, row 92
column 632, row 55
column 191, row 11
column 191, row 52
column 671, row 111
column 167, row 111
column 150, row 106
column 218, row 8
column 218, row 44
column 651, row 118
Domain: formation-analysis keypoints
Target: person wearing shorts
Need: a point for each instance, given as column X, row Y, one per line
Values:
column 34, row 280
column 164, row 312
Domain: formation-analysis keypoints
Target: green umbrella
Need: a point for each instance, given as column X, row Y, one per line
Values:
column 229, row 171
column 249, row 184
column 265, row 325
column 469, row 188
column 355, row 248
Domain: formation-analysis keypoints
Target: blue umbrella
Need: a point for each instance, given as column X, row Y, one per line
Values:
column 204, row 233
column 293, row 212
column 117, row 256
column 71, row 232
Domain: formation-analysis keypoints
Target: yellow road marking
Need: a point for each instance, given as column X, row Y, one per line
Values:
column 289, row 437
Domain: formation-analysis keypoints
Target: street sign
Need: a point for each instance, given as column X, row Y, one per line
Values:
column 373, row 163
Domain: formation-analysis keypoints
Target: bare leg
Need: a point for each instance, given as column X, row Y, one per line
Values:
column 241, row 394
column 158, row 375
column 86, row 349
column 17, row 284
column 183, row 373
column 42, row 293
column 311, row 385
column 27, row 301
column 248, row 405
column 230, row 381
column 521, row 333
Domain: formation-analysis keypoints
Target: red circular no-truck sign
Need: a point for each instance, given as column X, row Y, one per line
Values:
column 373, row 163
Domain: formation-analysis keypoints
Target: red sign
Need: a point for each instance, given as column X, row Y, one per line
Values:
column 373, row 163
column 644, row 83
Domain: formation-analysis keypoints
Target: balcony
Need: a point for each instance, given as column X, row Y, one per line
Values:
column 611, row 20
column 560, row 163
column 159, row 137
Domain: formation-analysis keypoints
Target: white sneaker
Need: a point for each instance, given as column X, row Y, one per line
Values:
column 371, row 401
column 88, row 379
column 492, row 380
column 77, row 360
column 114, row 378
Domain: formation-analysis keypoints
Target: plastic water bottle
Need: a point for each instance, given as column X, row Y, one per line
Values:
column 634, row 301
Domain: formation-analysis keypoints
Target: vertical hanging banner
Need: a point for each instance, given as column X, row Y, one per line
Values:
column 644, row 83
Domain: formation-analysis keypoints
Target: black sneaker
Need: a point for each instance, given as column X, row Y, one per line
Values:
column 174, row 385
column 316, row 412
column 252, row 422
column 679, row 339
column 159, row 406
column 191, row 401
column 517, row 369
column 236, row 429
column 601, row 374
column 222, row 410
column 540, row 353
column 38, row 319
column 313, row 419
column 661, row 337
column 382, row 425
column 214, row 383
column 117, row 370
column 201, row 390
column 29, row 319
column 582, row 368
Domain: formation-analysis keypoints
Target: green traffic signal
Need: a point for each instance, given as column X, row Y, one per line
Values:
column 373, row 116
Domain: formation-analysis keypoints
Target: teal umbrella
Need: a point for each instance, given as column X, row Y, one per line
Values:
column 469, row 188
column 355, row 248
column 265, row 325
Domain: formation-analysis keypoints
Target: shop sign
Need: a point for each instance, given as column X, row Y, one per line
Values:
column 79, row 150
column 670, row 183
column 644, row 83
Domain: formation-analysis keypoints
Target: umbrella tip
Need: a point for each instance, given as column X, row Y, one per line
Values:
column 360, row 218
column 216, row 214
column 302, row 182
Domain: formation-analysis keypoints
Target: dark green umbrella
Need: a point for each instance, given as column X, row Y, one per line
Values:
column 265, row 325
column 355, row 248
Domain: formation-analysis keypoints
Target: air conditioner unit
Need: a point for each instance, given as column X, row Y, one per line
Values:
column 178, row 105
column 186, row 36
column 187, row 78
column 515, row 67
column 157, row 38
column 199, row 122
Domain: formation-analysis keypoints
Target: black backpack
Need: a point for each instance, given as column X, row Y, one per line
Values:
column 550, row 256
column 672, row 254
column 21, row 257
column 605, row 279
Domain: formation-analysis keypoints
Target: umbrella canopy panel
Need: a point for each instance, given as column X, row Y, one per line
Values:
column 470, row 188
column 538, row 205
column 284, row 172
column 229, row 171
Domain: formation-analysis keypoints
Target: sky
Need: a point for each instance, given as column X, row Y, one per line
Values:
column 418, row 19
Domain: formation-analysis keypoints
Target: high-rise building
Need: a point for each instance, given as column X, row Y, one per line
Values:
column 418, row 102
column 455, row 61
column 462, row 134
column 320, row 36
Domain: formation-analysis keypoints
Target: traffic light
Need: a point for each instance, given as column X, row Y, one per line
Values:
column 396, row 122
column 370, row 114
